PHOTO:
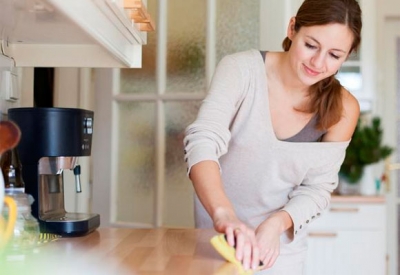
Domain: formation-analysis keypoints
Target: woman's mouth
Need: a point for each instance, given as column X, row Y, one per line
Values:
column 310, row 71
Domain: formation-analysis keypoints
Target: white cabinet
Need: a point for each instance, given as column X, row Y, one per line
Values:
column 349, row 239
column 73, row 33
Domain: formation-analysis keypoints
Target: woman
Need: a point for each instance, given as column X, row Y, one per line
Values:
column 265, row 150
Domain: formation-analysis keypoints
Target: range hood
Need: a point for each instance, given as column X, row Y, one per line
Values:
column 73, row 33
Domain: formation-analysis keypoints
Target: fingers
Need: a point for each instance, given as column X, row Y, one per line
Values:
column 246, row 248
column 230, row 236
column 255, row 262
column 270, row 258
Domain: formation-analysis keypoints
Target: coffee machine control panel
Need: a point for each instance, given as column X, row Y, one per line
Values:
column 88, row 125
column 87, row 133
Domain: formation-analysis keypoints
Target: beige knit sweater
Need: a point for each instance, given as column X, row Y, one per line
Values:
column 261, row 174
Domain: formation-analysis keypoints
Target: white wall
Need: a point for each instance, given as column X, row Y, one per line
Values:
column 279, row 12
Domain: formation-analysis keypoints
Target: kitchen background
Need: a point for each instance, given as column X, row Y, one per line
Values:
column 136, row 174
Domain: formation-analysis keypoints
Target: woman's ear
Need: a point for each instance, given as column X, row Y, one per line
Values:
column 291, row 30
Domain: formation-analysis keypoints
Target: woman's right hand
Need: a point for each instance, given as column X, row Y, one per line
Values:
column 238, row 235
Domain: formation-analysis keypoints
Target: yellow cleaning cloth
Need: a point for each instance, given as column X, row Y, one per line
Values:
column 228, row 253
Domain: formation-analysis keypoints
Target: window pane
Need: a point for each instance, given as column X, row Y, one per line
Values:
column 186, row 46
column 143, row 80
column 237, row 26
column 351, row 78
column 178, row 210
column 135, row 163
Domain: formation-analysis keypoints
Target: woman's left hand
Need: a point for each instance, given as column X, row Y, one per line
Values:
column 268, row 236
column 268, row 239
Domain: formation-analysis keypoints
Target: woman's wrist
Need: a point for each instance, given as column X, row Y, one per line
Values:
column 223, row 213
column 281, row 221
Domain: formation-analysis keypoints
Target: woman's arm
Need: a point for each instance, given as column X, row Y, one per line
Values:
column 207, row 183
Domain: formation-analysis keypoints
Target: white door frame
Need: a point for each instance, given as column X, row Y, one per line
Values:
column 387, row 96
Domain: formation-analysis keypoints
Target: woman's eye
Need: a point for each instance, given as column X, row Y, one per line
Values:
column 310, row 46
column 335, row 56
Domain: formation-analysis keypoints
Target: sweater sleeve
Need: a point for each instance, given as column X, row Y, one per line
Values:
column 308, row 200
column 207, row 138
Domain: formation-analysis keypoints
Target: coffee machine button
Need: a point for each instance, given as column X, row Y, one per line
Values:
column 88, row 122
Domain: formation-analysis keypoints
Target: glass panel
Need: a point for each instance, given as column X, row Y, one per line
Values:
column 351, row 78
column 237, row 26
column 143, row 80
column 135, row 163
column 178, row 210
column 186, row 46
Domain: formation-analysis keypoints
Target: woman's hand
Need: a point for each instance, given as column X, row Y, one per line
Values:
column 268, row 236
column 240, row 236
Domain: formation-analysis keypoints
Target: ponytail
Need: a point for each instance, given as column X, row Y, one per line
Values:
column 325, row 102
column 286, row 44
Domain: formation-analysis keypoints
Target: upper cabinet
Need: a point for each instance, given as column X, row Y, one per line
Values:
column 74, row 33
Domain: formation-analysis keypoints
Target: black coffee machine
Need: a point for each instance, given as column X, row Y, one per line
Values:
column 52, row 139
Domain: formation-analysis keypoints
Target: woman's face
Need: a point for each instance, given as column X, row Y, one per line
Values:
column 317, row 52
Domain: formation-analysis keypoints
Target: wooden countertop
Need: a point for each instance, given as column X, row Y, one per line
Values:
column 125, row 251
column 357, row 199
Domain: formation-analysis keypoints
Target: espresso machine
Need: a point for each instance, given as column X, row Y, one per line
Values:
column 52, row 140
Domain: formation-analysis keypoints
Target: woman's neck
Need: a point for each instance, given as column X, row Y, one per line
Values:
column 283, row 75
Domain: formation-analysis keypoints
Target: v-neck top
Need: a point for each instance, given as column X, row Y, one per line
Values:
column 309, row 133
column 261, row 174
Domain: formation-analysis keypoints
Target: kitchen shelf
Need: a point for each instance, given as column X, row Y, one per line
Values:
column 73, row 33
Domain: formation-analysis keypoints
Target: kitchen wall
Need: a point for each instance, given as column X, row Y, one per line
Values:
column 14, row 82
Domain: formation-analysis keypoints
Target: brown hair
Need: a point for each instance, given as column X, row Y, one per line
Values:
column 325, row 95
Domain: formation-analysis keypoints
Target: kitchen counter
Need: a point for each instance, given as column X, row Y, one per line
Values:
column 125, row 251
column 357, row 199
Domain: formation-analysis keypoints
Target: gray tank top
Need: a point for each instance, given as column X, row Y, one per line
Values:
column 309, row 133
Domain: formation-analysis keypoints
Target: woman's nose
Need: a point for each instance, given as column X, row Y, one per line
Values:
column 318, row 60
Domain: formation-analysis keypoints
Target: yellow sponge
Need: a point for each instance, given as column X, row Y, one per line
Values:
column 220, row 244
column 224, row 249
